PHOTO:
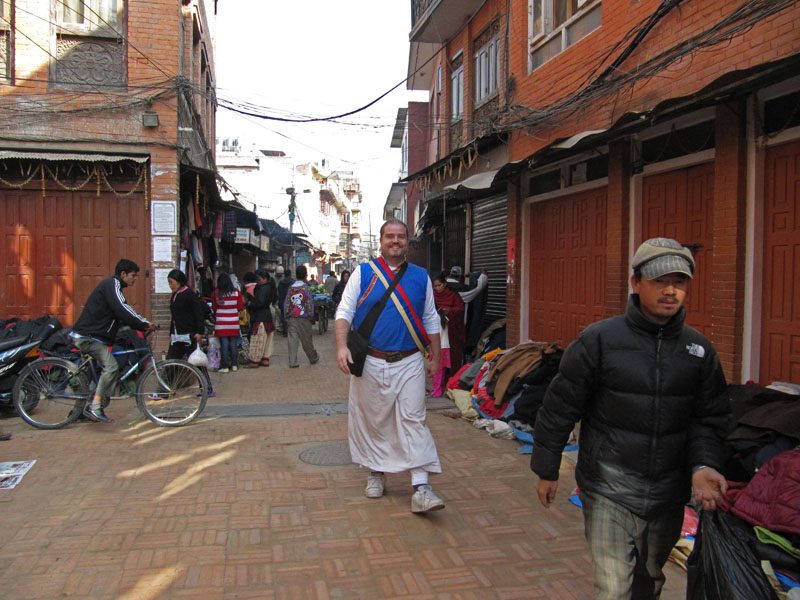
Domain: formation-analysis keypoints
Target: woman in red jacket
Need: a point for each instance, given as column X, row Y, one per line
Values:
column 450, row 307
column 227, row 302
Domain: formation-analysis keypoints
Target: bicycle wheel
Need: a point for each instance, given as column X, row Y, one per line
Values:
column 173, row 396
column 50, row 393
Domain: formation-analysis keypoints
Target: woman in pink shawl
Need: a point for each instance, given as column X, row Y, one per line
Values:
column 451, row 311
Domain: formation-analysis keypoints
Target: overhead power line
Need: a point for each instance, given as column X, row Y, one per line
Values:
column 260, row 115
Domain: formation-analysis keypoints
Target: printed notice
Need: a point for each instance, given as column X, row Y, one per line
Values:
column 162, row 249
column 162, row 285
column 164, row 218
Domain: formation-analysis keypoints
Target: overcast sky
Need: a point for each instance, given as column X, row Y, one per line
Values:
column 318, row 58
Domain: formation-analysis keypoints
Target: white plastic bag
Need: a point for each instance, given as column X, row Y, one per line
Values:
column 198, row 358
column 276, row 317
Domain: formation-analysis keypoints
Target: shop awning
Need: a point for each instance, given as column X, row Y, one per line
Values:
column 394, row 200
column 480, row 181
column 65, row 156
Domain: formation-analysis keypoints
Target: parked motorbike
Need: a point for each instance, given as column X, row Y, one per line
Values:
column 15, row 353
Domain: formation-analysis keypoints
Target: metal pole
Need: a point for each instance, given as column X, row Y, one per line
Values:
column 292, row 208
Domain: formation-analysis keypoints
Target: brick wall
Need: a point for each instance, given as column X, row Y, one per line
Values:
column 617, row 234
column 727, row 284
column 160, row 48
column 769, row 39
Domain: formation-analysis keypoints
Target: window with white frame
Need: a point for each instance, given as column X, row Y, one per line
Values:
column 6, row 39
column 93, row 13
column 486, row 69
column 557, row 24
column 457, row 93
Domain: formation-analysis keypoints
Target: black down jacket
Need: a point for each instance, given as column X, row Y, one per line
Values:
column 106, row 310
column 651, row 403
column 263, row 296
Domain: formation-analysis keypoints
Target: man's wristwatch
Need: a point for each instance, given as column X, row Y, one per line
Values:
column 698, row 467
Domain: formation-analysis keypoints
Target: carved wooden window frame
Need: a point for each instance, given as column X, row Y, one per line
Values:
column 102, row 46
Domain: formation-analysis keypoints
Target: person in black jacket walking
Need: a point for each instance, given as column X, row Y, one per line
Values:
column 649, row 392
column 262, row 329
column 96, row 329
column 188, row 321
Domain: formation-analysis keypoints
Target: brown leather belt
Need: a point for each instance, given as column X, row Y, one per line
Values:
column 393, row 356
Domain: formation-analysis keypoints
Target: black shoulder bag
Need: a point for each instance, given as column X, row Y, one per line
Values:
column 358, row 339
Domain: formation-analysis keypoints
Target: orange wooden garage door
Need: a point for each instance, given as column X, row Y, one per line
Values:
column 780, row 325
column 55, row 250
column 679, row 205
column 567, row 266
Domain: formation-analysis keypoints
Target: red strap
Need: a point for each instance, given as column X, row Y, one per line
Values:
column 403, row 295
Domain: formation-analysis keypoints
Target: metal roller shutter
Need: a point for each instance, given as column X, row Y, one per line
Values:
column 488, row 251
column 455, row 241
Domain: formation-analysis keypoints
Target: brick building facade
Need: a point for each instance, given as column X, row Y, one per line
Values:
column 106, row 147
column 623, row 121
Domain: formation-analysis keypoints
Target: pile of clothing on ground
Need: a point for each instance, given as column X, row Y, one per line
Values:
column 760, row 520
column 753, row 542
column 503, row 389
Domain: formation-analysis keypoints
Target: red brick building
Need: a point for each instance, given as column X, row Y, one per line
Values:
column 106, row 146
column 623, row 121
column 403, row 202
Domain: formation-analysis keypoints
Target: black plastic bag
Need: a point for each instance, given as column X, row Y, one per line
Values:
column 722, row 566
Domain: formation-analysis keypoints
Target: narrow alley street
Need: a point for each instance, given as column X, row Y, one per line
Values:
column 258, row 500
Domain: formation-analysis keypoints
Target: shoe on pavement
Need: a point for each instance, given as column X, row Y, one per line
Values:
column 223, row 370
column 425, row 500
column 4, row 437
column 294, row 366
column 234, row 368
column 375, row 485
column 96, row 414
column 211, row 394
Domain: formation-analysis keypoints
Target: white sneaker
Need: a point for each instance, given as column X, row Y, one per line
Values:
column 234, row 368
column 222, row 370
column 375, row 485
column 425, row 499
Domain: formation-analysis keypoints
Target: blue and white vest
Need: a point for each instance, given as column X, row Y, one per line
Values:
column 390, row 332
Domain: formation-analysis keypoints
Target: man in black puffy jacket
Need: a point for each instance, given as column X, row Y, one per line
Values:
column 96, row 329
column 649, row 392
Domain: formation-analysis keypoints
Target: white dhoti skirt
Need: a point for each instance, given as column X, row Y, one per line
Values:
column 386, row 417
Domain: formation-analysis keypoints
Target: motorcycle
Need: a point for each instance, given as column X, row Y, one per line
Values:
column 15, row 353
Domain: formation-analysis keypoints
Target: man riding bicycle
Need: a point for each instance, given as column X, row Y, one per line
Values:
column 96, row 329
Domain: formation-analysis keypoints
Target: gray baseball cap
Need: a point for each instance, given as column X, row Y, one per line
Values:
column 658, row 256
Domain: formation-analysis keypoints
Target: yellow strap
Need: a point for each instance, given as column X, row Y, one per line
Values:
column 400, row 309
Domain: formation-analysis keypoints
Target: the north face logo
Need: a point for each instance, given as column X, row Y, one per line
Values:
column 696, row 350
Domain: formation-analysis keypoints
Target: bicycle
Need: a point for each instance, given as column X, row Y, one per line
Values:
column 321, row 310
column 51, row 392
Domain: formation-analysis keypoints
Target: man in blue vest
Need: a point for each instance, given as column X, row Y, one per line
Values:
column 386, row 410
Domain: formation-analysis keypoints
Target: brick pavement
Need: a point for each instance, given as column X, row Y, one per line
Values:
column 224, row 509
